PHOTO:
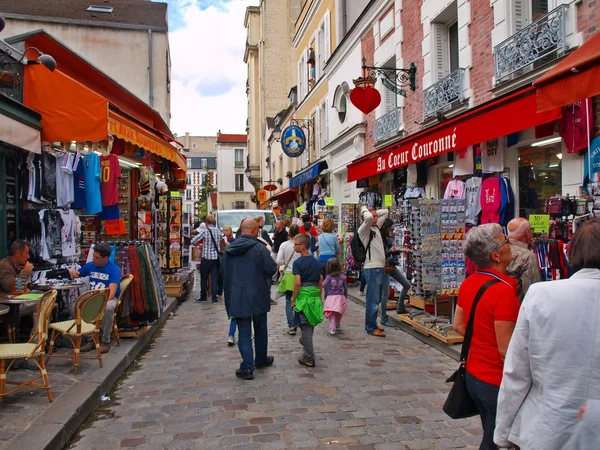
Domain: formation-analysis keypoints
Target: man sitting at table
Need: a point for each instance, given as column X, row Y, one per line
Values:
column 103, row 275
column 17, row 264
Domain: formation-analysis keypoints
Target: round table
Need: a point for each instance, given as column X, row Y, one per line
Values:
column 14, row 304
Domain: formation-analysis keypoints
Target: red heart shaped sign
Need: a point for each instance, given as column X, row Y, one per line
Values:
column 365, row 98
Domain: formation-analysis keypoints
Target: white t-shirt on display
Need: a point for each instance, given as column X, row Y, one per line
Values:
column 463, row 162
column 455, row 189
column 64, row 180
column 492, row 155
column 473, row 207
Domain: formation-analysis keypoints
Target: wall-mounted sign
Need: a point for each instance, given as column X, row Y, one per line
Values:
column 261, row 195
column 293, row 141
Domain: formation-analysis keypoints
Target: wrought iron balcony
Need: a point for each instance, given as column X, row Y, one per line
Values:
column 540, row 39
column 443, row 94
column 387, row 125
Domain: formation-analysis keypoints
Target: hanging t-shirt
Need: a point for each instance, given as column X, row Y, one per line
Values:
column 78, row 182
column 576, row 125
column 473, row 207
column 109, row 173
column 52, row 230
column 102, row 277
column 492, row 155
column 64, row 180
column 463, row 162
column 455, row 189
column 491, row 199
column 68, row 232
column 48, row 176
column 594, row 160
column 91, row 175
column 411, row 175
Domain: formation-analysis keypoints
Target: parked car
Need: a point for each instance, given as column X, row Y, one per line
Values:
column 233, row 218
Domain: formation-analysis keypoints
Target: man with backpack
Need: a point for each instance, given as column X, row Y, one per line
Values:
column 368, row 247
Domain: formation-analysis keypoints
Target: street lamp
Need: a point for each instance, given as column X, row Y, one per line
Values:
column 277, row 132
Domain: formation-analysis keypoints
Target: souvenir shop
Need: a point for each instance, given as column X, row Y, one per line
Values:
column 313, row 187
column 440, row 183
column 98, row 176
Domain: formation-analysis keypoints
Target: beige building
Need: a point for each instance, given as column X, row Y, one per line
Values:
column 233, row 189
column 201, row 161
column 271, row 72
column 126, row 39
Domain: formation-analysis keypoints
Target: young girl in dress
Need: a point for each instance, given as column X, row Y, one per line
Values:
column 336, row 290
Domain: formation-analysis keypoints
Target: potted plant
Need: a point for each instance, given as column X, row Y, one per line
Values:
column 279, row 181
column 288, row 174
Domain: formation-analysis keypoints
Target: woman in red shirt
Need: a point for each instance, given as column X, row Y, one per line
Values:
column 494, row 321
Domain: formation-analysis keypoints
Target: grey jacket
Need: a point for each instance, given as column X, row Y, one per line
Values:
column 376, row 255
column 552, row 366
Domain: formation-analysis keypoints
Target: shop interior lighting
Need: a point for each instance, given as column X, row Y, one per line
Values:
column 553, row 140
column 129, row 164
column 451, row 166
column 559, row 155
column 553, row 165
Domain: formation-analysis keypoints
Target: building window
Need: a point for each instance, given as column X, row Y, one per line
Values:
column 194, row 146
column 203, row 163
column 188, row 163
column 188, row 178
column 188, row 194
column 340, row 100
column 323, row 44
column 239, row 157
column 239, row 205
column 239, row 182
column 445, row 43
column 302, row 79
column 390, row 99
column 323, row 125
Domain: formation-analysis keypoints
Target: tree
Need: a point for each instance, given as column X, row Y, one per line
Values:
column 205, row 191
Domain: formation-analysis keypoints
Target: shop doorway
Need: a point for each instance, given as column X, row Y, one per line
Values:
column 540, row 177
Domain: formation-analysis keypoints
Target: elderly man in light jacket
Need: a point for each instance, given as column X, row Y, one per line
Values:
column 373, row 267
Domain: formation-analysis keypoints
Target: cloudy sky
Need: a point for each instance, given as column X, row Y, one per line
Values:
column 208, row 87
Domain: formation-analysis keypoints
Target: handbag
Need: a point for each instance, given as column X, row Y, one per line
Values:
column 219, row 252
column 282, row 269
column 459, row 404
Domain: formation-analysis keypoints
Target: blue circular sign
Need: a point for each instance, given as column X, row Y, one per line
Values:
column 293, row 141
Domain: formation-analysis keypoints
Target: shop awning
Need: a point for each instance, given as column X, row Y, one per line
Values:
column 573, row 79
column 285, row 197
column 308, row 174
column 19, row 125
column 70, row 111
column 130, row 131
column 498, row 117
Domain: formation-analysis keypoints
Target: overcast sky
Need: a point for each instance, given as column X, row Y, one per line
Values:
column 208, row 86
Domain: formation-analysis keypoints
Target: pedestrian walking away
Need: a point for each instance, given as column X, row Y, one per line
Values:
column 306, row 298
column 336, row 300
column 211, row 254
column 247, row 271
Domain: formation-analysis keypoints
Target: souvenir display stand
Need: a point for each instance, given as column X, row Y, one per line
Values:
column 168, row 234
column 325, row 212
column 348, row 224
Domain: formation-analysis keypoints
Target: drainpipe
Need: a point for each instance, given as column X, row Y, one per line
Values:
column 150, row 73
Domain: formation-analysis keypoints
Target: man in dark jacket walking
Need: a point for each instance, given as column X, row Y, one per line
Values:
column 247, row 270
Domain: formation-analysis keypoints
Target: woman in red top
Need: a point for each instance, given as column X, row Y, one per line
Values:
column 494, row 321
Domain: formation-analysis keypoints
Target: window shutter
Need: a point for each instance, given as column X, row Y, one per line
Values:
column 318, row 130
column 305, row 72
column 521, row 15
column 316, row 50
column 389, row 99
column 300, row 84
column 440, row 51
column 325, row 131
column 327, row 37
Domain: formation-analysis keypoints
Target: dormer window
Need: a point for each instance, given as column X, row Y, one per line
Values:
column 100, row 9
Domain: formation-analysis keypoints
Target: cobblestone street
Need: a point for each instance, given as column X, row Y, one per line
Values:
column 364, row 393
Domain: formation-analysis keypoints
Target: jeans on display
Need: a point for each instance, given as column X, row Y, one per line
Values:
column 400, row 278
column 261, row 340
column 289, row 311
column 485, row 396
column 232, row 327
column 375, row 295
column 209, row 267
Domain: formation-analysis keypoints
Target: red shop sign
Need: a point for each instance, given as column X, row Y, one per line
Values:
column 494, row 119
column 114, row 227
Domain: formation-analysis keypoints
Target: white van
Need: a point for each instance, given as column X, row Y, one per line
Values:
column 233, row 218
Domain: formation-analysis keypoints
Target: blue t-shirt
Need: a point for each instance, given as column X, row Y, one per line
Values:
column 91, row 177
column 102, row 277
column 309, row 270
column 328, row 245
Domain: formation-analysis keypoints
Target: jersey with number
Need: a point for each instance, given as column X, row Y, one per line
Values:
column 102, row 277
column 109, row 172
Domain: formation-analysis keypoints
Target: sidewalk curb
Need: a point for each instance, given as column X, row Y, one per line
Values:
column 453, row 351
column 58, row 424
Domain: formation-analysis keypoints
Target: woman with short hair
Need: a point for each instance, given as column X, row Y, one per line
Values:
column 553, row 362
column 494, row 320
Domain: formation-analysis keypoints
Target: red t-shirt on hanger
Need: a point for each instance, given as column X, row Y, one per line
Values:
column 110, row 171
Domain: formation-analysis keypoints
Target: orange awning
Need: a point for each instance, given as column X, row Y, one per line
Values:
column 130, row 131
column 573, row 79
column 70, row 111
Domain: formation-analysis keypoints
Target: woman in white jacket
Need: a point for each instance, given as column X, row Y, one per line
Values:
column 552, row 366
column 285, row 259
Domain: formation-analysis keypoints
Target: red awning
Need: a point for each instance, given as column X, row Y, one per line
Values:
column 573, row 79
column 70, row 111
column 285, row 197
column 498, row 117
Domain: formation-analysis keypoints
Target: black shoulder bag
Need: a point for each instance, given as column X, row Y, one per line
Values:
column 459, row 404
column 217, row 248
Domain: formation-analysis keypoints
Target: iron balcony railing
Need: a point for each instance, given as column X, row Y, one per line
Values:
column 387, row 125
column 534, row 42
column 444, row 93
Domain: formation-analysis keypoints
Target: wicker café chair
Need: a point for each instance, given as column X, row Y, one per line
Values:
column 33, row 350
column 125, row 282
column 88, row 311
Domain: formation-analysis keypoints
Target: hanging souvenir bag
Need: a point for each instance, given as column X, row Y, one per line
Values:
column 555, row 205
column 459, row 404
column 582, row 208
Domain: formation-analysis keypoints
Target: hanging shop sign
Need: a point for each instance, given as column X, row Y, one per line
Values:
column 115, row 227
column 261, row 195
column 496, row 118
column 329, row 201
column 293, row 141
column 365, row 98
column 388, row 200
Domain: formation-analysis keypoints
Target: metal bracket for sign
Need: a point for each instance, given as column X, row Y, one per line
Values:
column 393, row 79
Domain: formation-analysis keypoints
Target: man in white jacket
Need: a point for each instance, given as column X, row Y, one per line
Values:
column 370, row 236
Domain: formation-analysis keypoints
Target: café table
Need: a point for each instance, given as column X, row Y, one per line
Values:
column 14, row 304
column 62, row 288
